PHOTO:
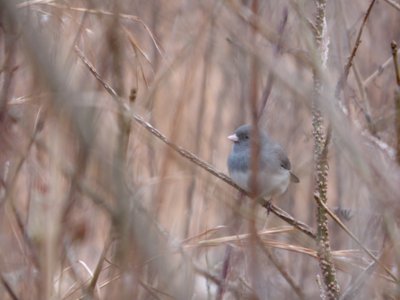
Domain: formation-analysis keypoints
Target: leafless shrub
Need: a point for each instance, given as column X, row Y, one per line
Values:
column 114, row 117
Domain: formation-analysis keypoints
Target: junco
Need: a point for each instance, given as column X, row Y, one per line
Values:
column 274, row 172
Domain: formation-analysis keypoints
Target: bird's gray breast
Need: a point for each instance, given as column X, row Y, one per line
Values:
column 272, row 178
column 238, row 166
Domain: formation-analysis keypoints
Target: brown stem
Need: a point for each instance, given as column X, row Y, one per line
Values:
column 393, row 45
column 397, row 98
column 342, row 81
column 321, row 142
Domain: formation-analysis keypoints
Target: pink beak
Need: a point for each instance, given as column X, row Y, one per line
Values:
column 234, row 138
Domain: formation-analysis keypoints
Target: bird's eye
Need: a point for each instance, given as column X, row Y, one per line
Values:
column 246, row 137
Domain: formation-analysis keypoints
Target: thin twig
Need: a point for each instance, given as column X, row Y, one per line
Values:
column 397, row 98
column 343, row 78
column 224, row 272
column 395, row 61
column 217, row 281
column 364, row 106
column 8, row 288
column 96, row 274
column 378, row 71
column 281, row 269
column 11, row 186
column 393, row 4
column 271, row 75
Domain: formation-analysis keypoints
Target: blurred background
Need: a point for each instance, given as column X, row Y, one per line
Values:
column 94, row 206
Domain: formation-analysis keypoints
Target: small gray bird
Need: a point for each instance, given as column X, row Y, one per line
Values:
column 274, row 172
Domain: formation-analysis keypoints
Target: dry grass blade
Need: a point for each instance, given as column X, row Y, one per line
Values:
column 345, row 260
column 235, row 238
column 393, row 4
column 204, row 233
column 10, row 291
column 95, row 12
column 135, row 45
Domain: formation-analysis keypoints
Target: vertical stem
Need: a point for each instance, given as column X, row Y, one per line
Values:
column 396, row 99
column 255, row 273
column 397, row 122
column 321, row 142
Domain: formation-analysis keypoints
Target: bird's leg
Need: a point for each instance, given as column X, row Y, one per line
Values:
column 268, row 205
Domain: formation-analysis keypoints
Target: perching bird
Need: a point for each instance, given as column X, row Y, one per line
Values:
column 274, row 167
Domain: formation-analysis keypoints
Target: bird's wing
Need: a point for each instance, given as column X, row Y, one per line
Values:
column 284, row 160
column 285, row 163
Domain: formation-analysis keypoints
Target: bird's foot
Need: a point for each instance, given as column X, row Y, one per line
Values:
column 268, row 206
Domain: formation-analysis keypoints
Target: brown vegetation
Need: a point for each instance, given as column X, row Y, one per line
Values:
column 113, row 124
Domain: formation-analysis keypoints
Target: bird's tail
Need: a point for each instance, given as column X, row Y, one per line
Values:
column 294, row 178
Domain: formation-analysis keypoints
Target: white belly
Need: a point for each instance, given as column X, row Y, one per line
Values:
column 270, row 185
